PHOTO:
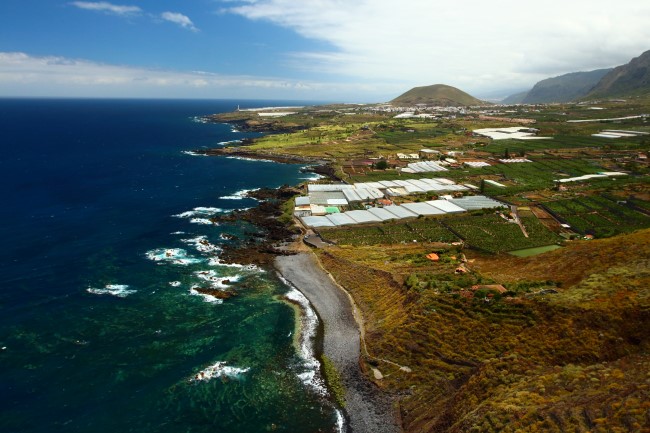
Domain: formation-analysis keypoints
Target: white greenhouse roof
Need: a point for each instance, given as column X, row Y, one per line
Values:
column 317, row 221
column 362, row 216
column 340, row 219
column 382, row 214
column 446, row 206
column 422, row 209
column 400, row 211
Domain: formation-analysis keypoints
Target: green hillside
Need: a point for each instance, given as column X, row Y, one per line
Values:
column 630, row 79
column 564, row 88
column 437, row 94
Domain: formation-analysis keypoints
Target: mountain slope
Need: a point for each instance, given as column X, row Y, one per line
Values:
column 517, row 98
column 564, row 88
column 632, row 78
column 437, row 94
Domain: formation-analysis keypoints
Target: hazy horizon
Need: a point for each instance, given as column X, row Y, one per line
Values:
column 369, row 51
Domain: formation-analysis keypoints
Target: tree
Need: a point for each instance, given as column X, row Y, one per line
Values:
column 381, row 164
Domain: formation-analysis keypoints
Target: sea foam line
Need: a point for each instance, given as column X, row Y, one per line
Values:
column 309, row 327
column 244, row 158
column 239, row 195
column 216, row 261
column 200, row 211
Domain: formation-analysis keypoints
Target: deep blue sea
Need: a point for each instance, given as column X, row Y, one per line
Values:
column 105, row 230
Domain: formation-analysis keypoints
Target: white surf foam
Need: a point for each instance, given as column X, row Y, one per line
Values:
column 176, row 256
column 314, row 176
column 216, row 261
column 340, row 421
column 218, row 369
column 175, row 283
column 243, row 158
column 119, row 290
column 223, row 143
column 207, row 298
column 239, row 195
column 309, row 325
column 201, row 244
column 203, row 221
column 199, row 212
column 216, row 281
column 189, row 152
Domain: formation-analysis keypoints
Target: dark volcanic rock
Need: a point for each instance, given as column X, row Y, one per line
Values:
column 261, row 249
column 217, row 293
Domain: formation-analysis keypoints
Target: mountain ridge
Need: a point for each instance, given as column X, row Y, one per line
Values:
column 625, row 80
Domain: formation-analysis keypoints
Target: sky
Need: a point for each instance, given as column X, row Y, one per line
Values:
column 318, row 50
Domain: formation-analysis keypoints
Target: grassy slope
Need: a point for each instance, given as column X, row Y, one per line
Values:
column 572, row 361
column 437, row 94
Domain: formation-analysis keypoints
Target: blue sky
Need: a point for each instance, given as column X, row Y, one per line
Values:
column 343, row 50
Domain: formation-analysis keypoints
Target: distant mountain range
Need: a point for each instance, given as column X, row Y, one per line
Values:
column 626, row 80
column 438, row 95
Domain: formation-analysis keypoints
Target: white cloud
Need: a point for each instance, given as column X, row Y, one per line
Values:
column 107, row 7
column 25, row 75
column 471, row 44
column 180, row 19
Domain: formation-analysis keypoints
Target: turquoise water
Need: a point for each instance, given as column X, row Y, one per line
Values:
column 106, row 231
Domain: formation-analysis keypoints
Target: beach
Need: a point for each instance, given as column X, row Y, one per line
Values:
column 367, row 408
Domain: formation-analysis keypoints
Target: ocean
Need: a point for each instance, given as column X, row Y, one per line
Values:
column 105, row 231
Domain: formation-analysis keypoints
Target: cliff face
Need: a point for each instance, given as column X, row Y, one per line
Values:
column 632, row 78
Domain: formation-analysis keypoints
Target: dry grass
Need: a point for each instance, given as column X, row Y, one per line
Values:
column 572, row 361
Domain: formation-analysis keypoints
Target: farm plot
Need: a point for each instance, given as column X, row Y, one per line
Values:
column 598, row 216
column 494, row 234
column 422, row 230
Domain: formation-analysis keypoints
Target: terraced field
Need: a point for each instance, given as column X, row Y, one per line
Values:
column 600, row 216
column 421, row 230
column 493, row 234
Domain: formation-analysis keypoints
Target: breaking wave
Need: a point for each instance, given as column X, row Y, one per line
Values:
column 119, row 290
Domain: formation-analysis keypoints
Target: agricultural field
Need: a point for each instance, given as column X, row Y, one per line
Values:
column 420, row 230
column 493, row 234
column 540, row 174
column 418, row 134
column 600, row 216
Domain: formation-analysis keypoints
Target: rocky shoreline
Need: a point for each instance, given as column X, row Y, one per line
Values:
column 367, row 408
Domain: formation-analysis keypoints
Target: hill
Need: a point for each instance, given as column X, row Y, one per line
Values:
column 563, row 88
column 630, row 79
column 437, row 94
